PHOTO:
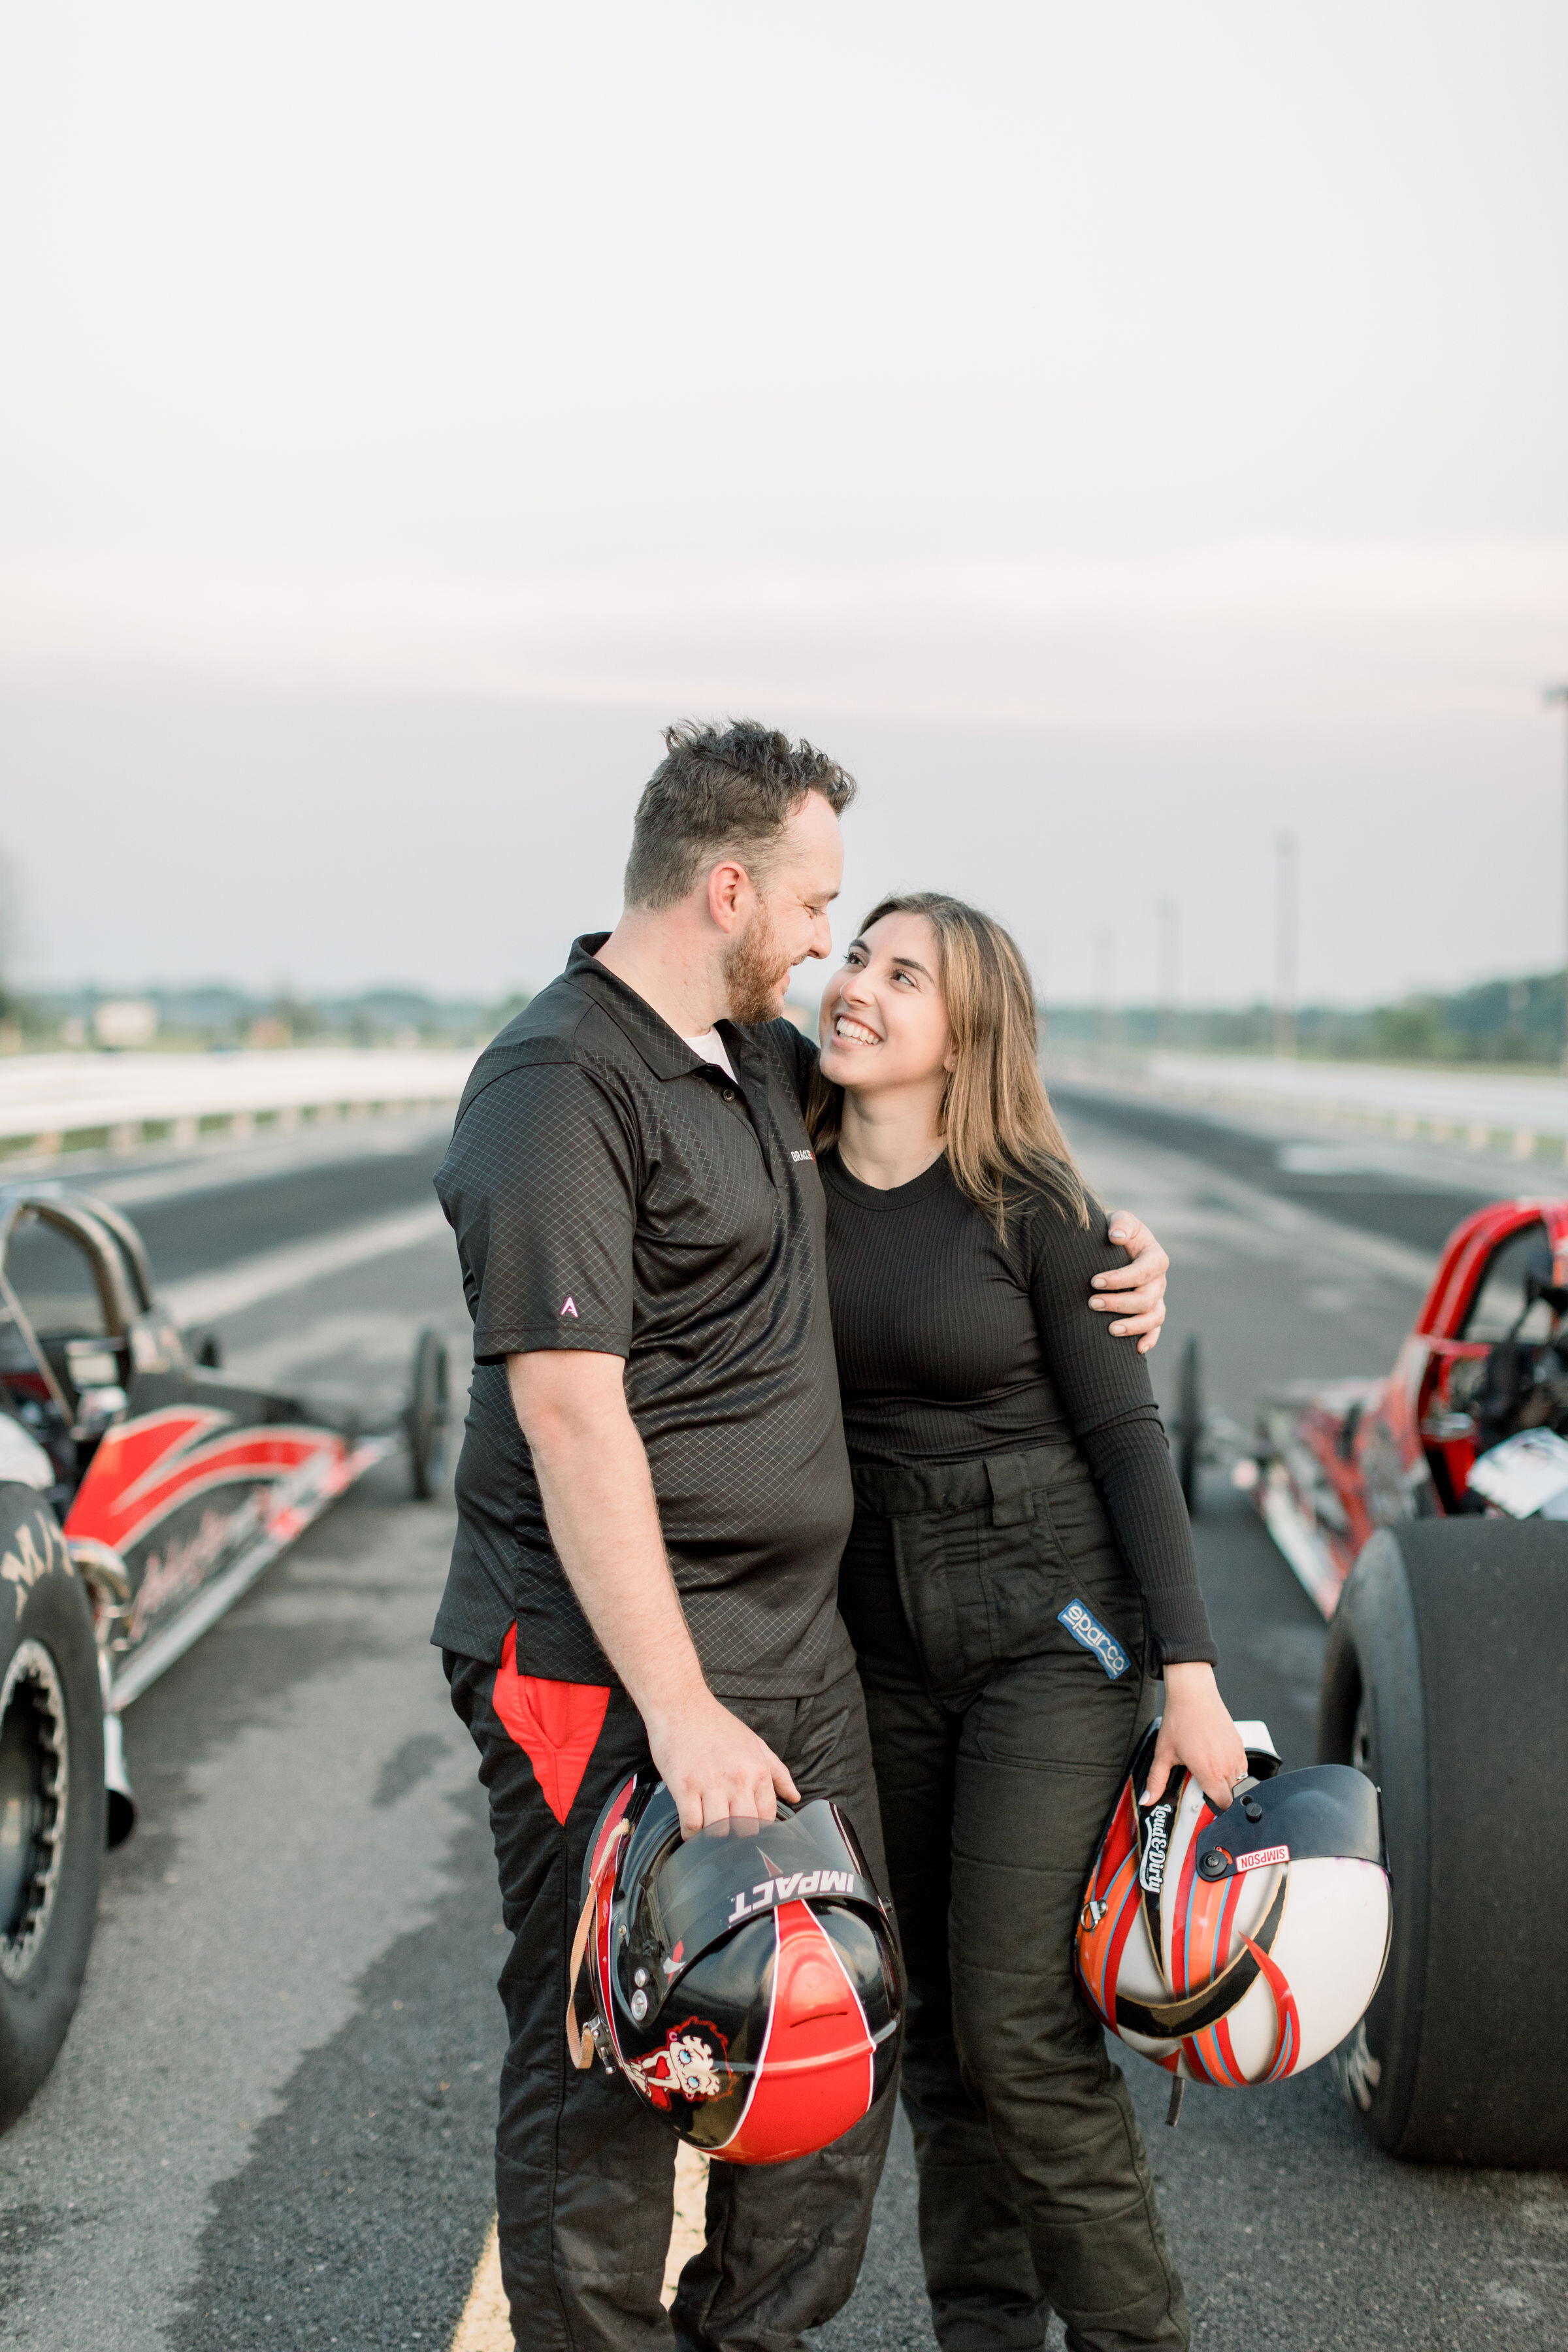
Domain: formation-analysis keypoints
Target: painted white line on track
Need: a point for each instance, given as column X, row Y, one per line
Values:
column 689, row 2229
column 485, row 2325
column 206, row 1297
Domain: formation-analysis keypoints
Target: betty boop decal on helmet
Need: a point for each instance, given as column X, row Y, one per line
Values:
column 745, row 1981
column 1239, row 1947
column 691, row 2066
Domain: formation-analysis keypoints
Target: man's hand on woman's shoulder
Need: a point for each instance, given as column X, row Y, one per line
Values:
column 1135, row 1292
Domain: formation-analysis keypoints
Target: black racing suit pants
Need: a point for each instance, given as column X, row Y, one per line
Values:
column 999, row 1744
column 584, row 2171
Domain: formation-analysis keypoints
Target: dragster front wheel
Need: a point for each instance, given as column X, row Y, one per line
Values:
column 1189, row 1422
column 52, row 1815
column 426, row 1417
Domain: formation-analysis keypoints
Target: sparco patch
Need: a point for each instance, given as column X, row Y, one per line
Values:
column 1091, row 1633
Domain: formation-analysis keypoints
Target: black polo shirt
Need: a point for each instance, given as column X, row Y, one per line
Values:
column 610, row 1192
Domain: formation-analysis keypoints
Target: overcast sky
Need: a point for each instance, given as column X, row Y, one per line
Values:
column 1118, row 434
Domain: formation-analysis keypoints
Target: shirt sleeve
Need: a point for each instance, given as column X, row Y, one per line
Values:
column 1103, row 1384
column 540, row 1187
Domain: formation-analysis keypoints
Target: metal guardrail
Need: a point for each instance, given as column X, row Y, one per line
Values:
column 53, row 1102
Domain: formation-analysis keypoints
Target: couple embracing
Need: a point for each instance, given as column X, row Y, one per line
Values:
column 797, row 1418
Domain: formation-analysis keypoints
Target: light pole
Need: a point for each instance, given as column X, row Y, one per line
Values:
column 1105, row 985
column 1559, row 694
column 1170, row 916
column 1285, row 916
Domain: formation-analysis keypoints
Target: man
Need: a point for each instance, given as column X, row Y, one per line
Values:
column 653, row 1494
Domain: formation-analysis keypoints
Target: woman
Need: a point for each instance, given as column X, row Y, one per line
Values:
column 1008, row 1461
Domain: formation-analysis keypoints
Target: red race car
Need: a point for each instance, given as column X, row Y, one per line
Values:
column 140, row 1495
column 1337, row 1460
column 1426, row 1514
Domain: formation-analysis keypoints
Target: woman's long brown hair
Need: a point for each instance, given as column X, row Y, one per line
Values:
column 999, row 1128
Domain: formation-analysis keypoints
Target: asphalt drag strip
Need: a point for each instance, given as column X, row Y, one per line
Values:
column 213, row 1297
column 272, row 2124
column 199, row 1230
column 1380, row 1190
column 207, row 1208
column 359, row 2216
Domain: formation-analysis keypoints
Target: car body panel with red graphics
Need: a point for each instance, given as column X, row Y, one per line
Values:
column 175, row 1488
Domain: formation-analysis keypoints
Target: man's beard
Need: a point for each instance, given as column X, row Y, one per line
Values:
column 755, row 973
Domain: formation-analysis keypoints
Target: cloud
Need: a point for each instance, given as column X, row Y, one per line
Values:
column 1218, row 641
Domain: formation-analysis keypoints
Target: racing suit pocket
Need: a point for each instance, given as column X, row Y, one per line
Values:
column 1068, row 1638
column 984, row 1558
column 1086, row 1553
column 939, row 1560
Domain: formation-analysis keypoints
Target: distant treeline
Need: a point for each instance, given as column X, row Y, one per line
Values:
column 1497, row 1020
column 218, row 1015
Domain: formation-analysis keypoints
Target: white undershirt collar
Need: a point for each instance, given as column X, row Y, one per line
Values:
column 711, row 1047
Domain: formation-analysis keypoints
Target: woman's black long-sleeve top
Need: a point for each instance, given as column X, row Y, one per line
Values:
column 953, row 1344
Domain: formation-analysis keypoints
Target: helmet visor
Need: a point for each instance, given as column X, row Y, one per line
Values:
column 1327, row 1812
column 737, row 1870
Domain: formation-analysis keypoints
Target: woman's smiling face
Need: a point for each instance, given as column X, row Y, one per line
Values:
column 884, row 1022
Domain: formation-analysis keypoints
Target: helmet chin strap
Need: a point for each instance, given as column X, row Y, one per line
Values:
column 581, row 2040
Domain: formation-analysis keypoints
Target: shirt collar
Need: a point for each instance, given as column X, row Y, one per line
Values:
column 667, row 1054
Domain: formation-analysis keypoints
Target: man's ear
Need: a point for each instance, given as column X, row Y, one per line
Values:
column 731, row 894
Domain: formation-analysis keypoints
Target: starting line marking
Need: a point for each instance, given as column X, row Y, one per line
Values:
column 485, row 2325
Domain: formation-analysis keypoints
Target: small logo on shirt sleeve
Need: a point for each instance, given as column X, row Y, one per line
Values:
column 571, row 1308
column 803, row 1155
column 1090, row 1634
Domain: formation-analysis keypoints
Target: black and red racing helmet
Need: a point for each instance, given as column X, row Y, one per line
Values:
column 745, row 1981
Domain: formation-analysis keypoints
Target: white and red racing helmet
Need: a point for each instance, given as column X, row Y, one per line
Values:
column 745, row 1981
column 1239, row 1948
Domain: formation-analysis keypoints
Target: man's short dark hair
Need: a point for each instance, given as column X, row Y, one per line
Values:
column 718, row 793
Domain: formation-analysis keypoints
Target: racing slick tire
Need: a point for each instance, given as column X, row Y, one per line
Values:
column 1446, row 1679
column 426, row 1418
column 52, row 1805
column 1189, row 1422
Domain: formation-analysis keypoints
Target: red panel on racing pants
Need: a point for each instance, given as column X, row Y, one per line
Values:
column 556, row 1725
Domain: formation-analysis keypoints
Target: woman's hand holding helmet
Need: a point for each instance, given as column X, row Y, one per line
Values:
column 1196, row 1730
